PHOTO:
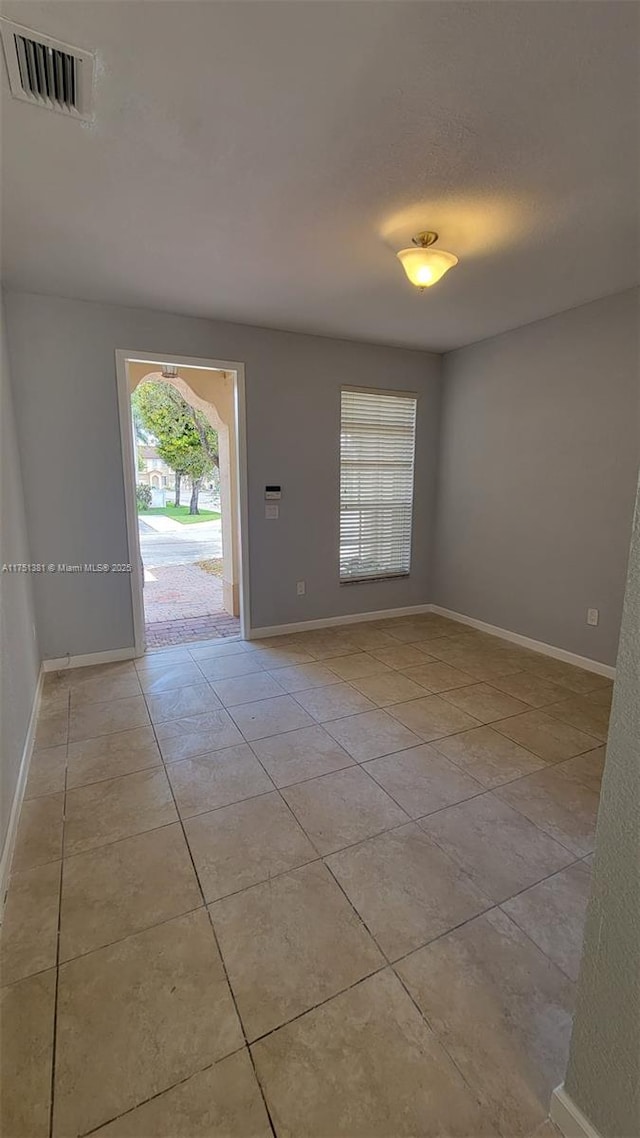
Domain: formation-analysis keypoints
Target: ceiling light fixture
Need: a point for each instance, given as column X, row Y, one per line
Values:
column 423, row 265
column 169, row 371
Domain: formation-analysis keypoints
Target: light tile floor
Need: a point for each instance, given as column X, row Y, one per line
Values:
column 330, row 884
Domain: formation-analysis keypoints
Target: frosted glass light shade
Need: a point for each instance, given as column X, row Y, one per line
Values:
column 426, row 266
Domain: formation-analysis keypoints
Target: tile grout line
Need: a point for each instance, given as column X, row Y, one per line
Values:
column 577, row 858
column 214, row 936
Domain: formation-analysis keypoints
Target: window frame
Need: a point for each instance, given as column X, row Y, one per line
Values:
column 394, row 394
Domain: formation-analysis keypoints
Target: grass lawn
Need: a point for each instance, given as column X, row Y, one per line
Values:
column 181, row 514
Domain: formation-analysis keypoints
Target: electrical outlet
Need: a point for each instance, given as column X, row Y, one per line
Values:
column 301, row 588
column 593, row 616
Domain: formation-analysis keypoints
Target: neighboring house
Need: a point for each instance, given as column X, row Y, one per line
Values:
column 152, row 471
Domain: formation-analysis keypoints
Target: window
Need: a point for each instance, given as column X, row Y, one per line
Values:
column 377, row 447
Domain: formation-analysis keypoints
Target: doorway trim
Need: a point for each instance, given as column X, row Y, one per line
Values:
column 129, row 472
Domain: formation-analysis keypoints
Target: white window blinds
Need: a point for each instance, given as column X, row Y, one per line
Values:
column 377, row 446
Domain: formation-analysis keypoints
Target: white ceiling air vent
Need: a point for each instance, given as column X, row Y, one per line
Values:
column 47, row 72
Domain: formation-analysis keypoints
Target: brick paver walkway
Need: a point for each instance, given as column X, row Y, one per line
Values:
column 184, row 603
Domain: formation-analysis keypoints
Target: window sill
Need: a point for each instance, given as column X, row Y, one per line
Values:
column 370, row 580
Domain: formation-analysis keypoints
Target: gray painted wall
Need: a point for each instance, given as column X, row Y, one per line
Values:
column 538, row 463
column 19, row 660
column 66, row 408
column 603, row 1078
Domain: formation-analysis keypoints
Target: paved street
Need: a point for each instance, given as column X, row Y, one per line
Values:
column 181, row 545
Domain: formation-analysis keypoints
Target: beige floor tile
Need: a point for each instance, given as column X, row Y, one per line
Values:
column 55, row 682
column 217, row 779
column 325, row 643
column 435, row 625
column 279, row 657
column 217, row 649
column 54, row 701
column 178, row 675
column 484, row 702
column 489, row 756
column 180, row 703
column 503, row 1012
column 243, row 844
column 390, row 687
column 367, row 637
column 530, row 688
column 438, row 677
column 95, row 719
column 227, row 667
column 409, row 630
column 371, row 735
column 489, row 666
column 116, row 808
column 565, row 809
column 47, row 772
column 270, row 717
column 286, row 641
column 545, row 736
column 365, row 1065
column 334, row 702
column 163, row 657
column 302, row 754
column 339, row 809
column 357, row 665
column 406, row 890
column 136, row 1017
column 602, row 697
column 300, row 677
column 421, row 780
column 400, row 656
column 247, row 689
column 498, row 847
column 567, row 676
column 196, row 735
column 582, row 712
column 118, row 669
column 289, row 944
column 52, row 730
column 26, row 1055
column 104, row 689
column 222, row 1102
column 110, row 756
column 547, row 1129
column 587, row 768
column 116, row 890
column 431, row 717
column 480, row 662
column 39, row 836
column 552, row 914
column 28, row 941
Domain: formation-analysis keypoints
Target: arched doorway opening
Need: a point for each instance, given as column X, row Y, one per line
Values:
column 187, row 520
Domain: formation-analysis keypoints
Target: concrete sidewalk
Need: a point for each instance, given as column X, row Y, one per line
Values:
column 182, row 545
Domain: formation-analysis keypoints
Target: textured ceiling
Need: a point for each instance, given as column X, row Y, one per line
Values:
column 261, row 162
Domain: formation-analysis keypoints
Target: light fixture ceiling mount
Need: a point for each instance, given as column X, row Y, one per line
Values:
column 424, row 265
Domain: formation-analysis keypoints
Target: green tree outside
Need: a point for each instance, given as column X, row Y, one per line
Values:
column 183, row 438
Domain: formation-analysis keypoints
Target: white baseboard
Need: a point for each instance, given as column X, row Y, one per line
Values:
column 110, row 657
column 16, row 805
column 568, row 1117
column 332, row 621
column 526, row 642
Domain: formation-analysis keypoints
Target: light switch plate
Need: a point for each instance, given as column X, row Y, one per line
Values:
column 271, row 511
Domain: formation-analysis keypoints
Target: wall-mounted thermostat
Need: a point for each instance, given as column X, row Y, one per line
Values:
column 272, row 493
